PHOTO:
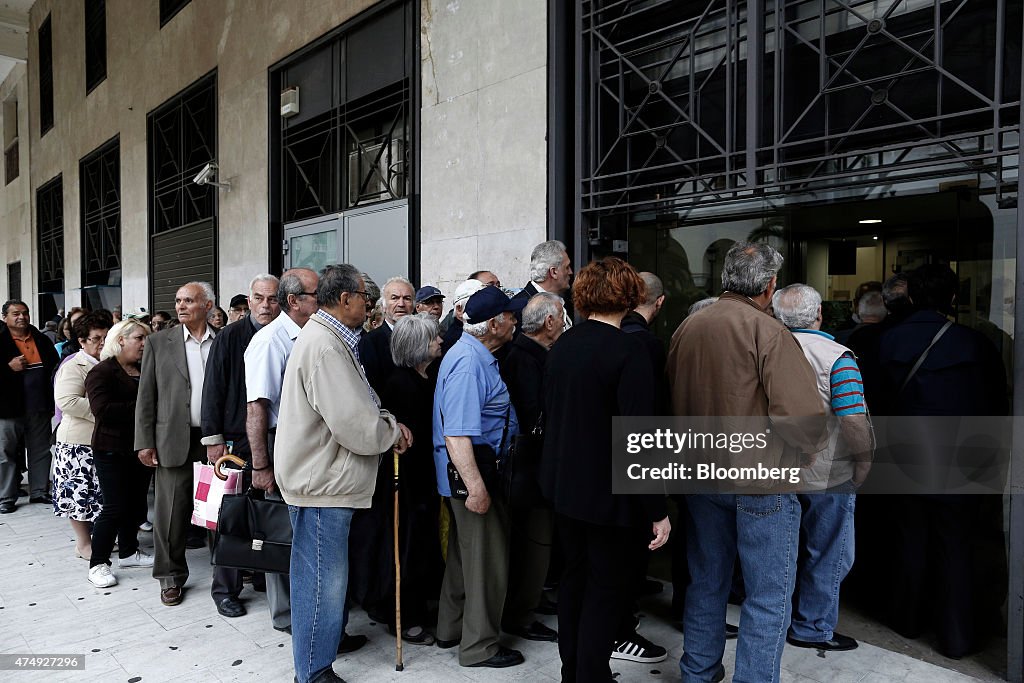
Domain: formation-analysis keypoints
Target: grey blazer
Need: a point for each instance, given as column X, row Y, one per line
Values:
column 162, row 409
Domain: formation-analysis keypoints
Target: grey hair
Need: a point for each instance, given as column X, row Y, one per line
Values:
column 410, row 340
column 796, row 306
column 538, row 308
column 478, row 330
column 371, row 287
column 749, row 267
column 263, row 277
column 701, row 305
column 334, row 280
column 289, row 284
column 872, row 304
column 895, row 288
column 545, row 256
column 205, row 287
column 398, row 278
column 654, row 286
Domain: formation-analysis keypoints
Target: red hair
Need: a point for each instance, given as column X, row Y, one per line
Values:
column 608, row 285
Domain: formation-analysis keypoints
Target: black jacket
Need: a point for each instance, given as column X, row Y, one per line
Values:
column 12, row 384
column 634, row 323
column 451, row 335
column 224, row 409
column 593, row 373
column 112, row 393
column 523, row 372
column 375, row 355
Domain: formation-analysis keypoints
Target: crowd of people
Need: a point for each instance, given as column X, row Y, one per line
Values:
column 316, row 379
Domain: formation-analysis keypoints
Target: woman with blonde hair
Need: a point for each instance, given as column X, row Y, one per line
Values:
column 112, row 387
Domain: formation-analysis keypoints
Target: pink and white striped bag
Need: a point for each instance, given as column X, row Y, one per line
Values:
column 207, row 492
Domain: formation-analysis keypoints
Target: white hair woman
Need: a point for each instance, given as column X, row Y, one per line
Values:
column 112, row 387
column 76, row 486
column 409, row 394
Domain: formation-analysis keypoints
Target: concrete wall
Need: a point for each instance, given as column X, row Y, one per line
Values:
column 146, row 65
column 16, row 242
column 483, row 155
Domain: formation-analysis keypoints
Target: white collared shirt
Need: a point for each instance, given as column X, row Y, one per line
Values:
column 197, row 351
column 265, row 360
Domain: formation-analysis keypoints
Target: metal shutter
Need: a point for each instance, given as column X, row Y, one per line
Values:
column 180, row 256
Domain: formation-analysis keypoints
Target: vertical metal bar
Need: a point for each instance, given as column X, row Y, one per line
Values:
column 997, row 90
column 779, row 84
column 937, row 58
column 1015, row 603
column 729, row 91
column 583, row 122
column 755, row 68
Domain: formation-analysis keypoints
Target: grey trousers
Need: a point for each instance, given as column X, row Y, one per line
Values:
column 31, row 431
column 278, row 590
column 475, row 581
column 172, row 516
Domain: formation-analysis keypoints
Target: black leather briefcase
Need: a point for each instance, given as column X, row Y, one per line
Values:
column 253, row 533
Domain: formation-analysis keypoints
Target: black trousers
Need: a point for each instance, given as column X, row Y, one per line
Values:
column 124, row 482
column 594, row 593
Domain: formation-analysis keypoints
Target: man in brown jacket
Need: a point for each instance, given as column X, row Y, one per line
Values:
column 733, row 360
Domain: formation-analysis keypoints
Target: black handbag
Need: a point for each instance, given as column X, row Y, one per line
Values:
column 253, row 533
column 520, row 473
column 487, row 462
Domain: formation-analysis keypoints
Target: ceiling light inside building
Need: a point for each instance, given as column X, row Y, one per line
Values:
column 867, row 221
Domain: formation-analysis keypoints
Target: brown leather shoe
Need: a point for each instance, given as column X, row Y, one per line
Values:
column 171, row 596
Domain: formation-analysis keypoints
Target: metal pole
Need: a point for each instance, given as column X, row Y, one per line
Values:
column 755, row 62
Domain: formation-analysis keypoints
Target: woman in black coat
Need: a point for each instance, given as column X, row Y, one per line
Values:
column 595, row 372
column 112, row 387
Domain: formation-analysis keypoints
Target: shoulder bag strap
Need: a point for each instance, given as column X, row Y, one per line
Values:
column 924, row 355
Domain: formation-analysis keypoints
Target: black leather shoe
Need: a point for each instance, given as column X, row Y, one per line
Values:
column 839, row 643
column 231, row 607
column 43, row 498
column 7, row 507
column 447, row 644
column 286, row 629
column 731, row 632
column 325, row 676
column 535, row 631
column 502, row 658
column 351, row 643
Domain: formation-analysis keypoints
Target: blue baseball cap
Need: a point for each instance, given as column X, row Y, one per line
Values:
column 427, row 292
column 488, row 302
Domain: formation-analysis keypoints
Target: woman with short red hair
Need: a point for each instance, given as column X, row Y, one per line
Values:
column 595, row 372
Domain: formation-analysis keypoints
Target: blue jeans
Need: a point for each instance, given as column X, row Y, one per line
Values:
column 763, row 532
column 826, row 542
column 319, row 583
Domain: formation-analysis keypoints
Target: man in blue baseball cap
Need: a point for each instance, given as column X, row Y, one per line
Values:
column 473, row 415
column 429, row 299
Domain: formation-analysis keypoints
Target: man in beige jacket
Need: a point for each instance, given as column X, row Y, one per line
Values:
column 331, row 432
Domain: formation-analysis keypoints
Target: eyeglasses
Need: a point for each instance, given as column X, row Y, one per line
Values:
column 94, row 339
column 365, row 295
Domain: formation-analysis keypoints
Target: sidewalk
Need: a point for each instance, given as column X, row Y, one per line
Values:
column 47, row 606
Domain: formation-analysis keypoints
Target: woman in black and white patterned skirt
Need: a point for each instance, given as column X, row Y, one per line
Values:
column 76, row 488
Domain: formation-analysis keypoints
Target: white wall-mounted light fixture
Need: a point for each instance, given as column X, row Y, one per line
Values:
column 208, row 176
column 289, row 102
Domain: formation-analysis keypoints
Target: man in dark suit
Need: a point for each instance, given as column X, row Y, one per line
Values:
column 224, row 410
column 550, row 271
column 168, row 428
column 375, row 347
column 27, row 362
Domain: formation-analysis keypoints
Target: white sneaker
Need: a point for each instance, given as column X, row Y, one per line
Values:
column 139, row 559
column 146, row 526
column 101, row 577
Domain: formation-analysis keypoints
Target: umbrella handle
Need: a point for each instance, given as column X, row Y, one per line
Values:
column 399, row 666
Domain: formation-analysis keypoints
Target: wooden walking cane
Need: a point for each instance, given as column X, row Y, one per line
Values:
column 398, row 578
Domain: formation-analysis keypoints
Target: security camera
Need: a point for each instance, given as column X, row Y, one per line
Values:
column 206, row 175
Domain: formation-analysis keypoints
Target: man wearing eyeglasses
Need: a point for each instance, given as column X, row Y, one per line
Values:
column 224, row 409
column 27, row 362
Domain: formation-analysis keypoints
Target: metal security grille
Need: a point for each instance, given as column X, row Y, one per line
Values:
column 50, row 227
column 180, row 256
column 693, row 104
column 45, row 37
column 100, row 177
column 349, row 145
column 95, row 43
column 182, row 139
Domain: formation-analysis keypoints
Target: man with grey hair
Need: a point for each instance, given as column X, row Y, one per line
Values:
column 398, row 296
column 465, row 290
column 473, row 414
column 168, row 428
column 531, row 523
column 224, row 412
column 826, row 529
column 735, row 360
column 866, row 342
column 550, row 271
column 331, row 432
